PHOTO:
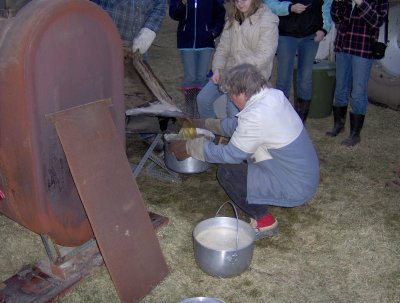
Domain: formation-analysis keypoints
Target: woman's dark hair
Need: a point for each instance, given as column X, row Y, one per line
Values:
column 244, row 78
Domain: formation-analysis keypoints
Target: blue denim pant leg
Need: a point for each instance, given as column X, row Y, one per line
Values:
column 306, row 49
column 359, row 93
column 206, row 98
column 343, row 79
column 286, row 54
column 352, row 75
column 203, row 60
column 231, row 109
column 195, row 67
column 306, row 52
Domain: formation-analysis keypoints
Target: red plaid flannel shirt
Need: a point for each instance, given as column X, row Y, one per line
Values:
column 358, row 27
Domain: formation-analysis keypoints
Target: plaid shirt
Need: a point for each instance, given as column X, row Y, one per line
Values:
column 131, row 15
column 358, row 26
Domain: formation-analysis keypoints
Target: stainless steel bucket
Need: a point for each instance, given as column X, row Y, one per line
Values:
column 189, row 165
column 201, row 300
column 223, row 246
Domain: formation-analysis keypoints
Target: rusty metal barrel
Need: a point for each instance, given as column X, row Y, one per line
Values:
column 54, row 55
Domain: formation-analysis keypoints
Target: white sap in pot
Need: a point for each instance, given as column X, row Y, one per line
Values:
column 223, row 238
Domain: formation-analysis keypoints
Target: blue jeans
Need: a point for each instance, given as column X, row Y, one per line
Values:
column 352, row 75
column 206, row 98
column 306, row 49
column 196, row 64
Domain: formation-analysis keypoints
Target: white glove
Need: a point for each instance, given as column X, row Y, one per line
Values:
column 194, row 148
column 143, row 41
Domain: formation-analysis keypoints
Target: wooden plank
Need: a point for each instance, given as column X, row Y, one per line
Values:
column 148, row 77
column 111, row 198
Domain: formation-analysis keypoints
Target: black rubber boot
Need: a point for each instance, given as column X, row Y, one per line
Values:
column 356, row 124
column 302, row 108
column 339, row 120
column 191, row 103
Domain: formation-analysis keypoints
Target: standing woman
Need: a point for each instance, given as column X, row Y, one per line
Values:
column 200, row 22
column 357, row 24
column 250, row 35
column 302, row 25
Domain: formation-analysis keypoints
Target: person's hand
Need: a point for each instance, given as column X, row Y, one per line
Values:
column 215, row 77
column 143, row 41
column 178, row 148
column 298, row 8
column 184, row 2
column 319, row 36
column 358, row 2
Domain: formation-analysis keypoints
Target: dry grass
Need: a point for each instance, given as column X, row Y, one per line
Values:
column 343, row 246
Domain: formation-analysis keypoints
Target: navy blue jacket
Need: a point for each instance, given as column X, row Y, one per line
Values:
column 200, row 22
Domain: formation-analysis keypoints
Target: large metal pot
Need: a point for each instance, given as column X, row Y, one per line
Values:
column 202, row 300
column 223, row 246
column 189, row 165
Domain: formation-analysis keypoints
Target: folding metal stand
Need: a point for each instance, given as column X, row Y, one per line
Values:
column 157, row 163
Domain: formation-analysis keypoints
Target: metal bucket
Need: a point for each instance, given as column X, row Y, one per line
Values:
column 189, row 165
column 201, row 300
column 223, row 246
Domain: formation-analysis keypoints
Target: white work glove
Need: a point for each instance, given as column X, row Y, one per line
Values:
column 194, row 148
column 143, row 41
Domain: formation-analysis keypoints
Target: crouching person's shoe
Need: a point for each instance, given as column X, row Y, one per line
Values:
column 264, row 227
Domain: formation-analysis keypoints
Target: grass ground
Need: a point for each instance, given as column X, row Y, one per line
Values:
column 343, row 246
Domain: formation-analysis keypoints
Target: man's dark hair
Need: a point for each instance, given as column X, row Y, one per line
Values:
column 244, row 78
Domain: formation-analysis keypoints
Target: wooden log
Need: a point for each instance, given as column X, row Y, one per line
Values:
column 148, row 77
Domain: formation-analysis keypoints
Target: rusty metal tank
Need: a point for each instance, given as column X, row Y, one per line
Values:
column 54, row 55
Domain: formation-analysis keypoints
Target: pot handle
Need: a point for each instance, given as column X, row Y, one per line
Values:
column 237, row 226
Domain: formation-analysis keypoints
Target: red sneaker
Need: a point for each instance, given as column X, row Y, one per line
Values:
column 266, row 226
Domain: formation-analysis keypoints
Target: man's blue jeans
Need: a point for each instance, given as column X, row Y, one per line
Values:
column 196, row 65
column 306, row 49
column 206, row 98
column 352, row 75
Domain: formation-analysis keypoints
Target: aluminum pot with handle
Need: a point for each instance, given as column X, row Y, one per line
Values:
column 189, row 165
column 223, row 246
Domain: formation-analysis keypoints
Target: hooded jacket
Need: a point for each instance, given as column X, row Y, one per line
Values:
column 254, row 41
column 200, row 22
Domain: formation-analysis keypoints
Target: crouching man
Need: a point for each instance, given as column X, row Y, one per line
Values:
column 269, row 160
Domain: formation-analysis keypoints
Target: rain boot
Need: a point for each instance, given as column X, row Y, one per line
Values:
column 339, row 119
column 191, row 103
column 356, row 124
column 302, row 108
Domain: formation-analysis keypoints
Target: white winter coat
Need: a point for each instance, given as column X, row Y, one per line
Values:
column 254, row 41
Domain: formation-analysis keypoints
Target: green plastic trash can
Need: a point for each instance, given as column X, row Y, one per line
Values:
column 323, row 88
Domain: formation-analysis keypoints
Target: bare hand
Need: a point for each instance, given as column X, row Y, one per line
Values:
column 358, row 2
column 178, row 148
column 298, row 8
column 215, row 77
column 319, row 36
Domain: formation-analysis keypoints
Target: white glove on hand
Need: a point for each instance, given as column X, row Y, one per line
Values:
column 143, row 41
column 194, row 148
